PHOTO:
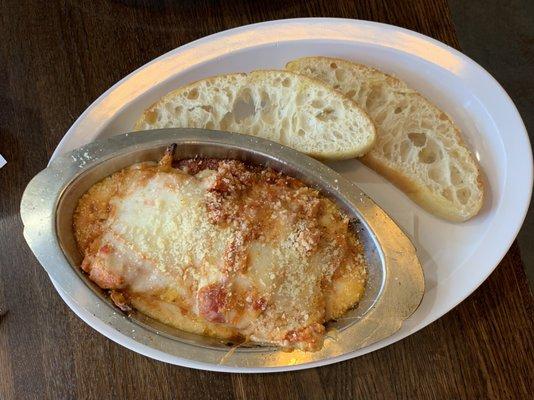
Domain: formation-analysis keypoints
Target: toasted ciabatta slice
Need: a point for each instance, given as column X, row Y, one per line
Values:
column 288, row 108
column 418, row 147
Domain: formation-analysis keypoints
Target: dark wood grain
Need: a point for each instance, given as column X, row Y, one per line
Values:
column 56, row 57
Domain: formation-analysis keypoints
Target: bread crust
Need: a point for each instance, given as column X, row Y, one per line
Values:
column 421, row 195
column 258, row 76
column 418, row 192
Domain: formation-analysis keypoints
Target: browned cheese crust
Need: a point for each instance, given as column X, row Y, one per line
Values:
column 270, row 259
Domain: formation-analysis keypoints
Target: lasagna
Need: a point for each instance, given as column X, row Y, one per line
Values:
column 221, row 248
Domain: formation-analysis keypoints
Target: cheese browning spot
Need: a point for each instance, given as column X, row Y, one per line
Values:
column 221, row 248
column 211, row 302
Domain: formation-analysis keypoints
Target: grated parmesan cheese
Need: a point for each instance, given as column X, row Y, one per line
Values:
column 227, row 251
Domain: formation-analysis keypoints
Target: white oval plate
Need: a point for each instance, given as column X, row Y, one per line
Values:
column 456, row 258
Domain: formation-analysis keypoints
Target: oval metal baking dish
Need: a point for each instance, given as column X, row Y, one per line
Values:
column 395, row 283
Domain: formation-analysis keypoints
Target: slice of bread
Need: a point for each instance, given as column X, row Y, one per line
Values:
column 418, row 147
column 288, row 108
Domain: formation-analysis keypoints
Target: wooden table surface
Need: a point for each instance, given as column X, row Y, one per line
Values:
column 56, row 57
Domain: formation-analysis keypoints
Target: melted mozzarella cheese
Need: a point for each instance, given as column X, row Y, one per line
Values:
column 160, row 247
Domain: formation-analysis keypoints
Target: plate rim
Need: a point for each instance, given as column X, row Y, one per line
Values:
column 519, row 213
